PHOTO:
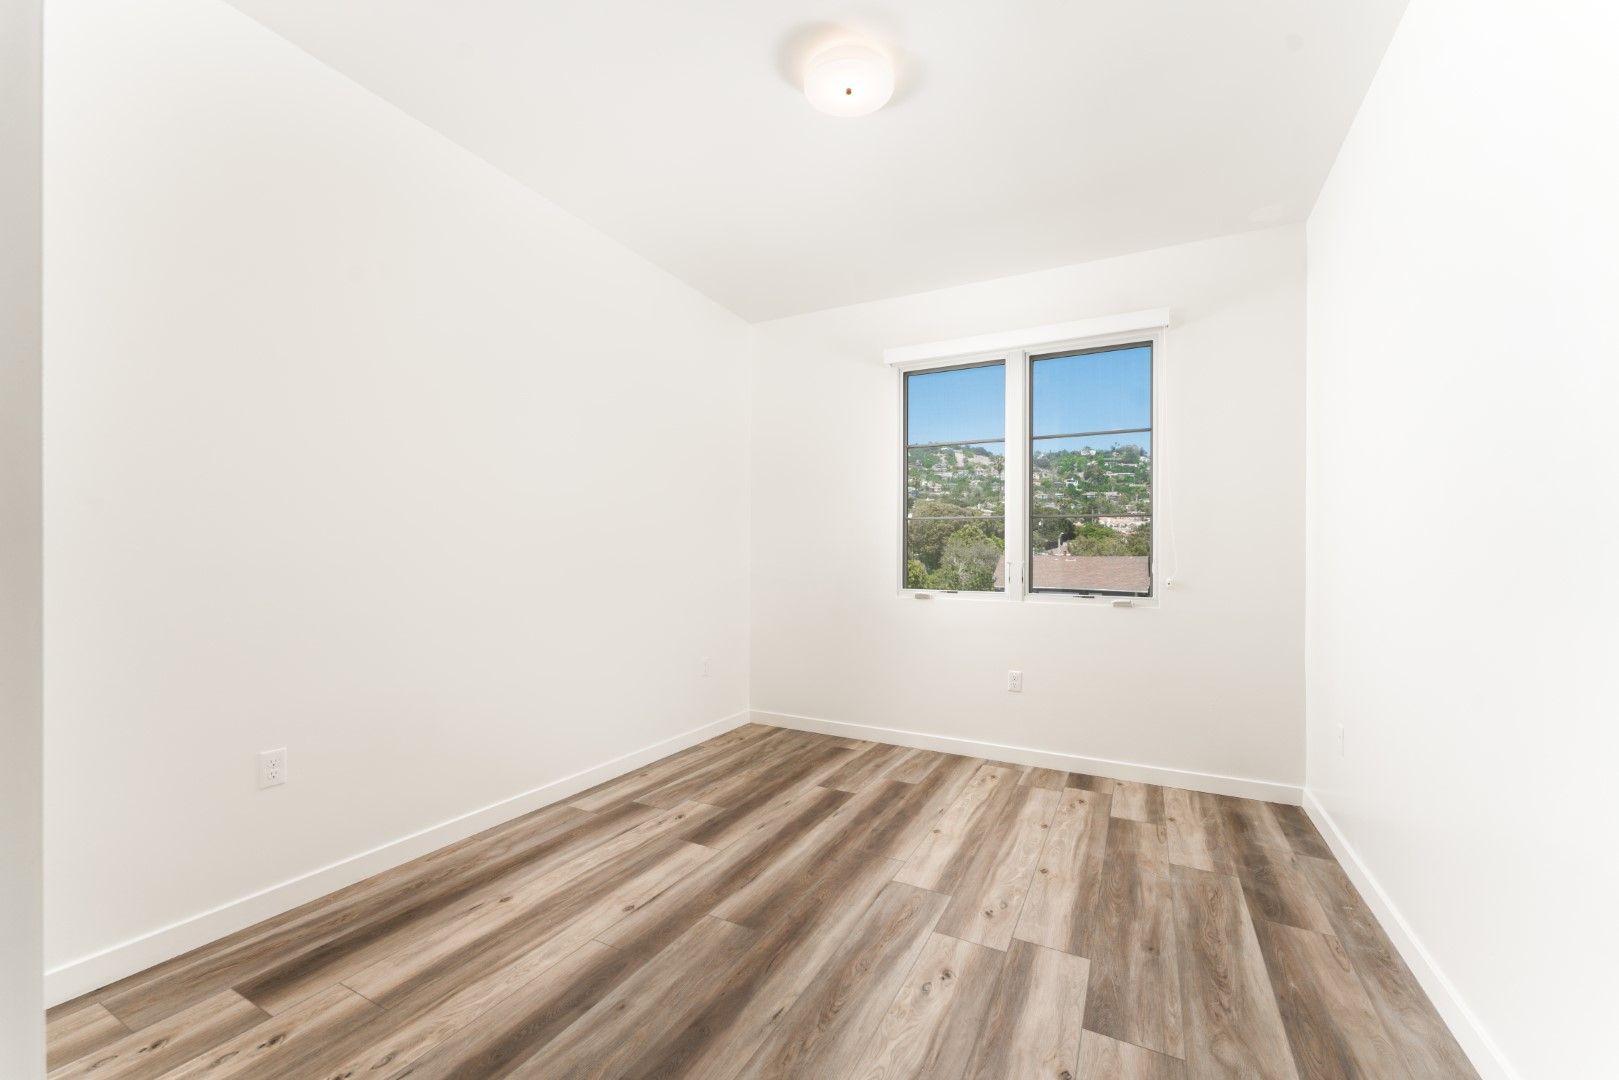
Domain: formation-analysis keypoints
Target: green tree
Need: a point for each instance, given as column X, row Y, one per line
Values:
column 926, row 534
column 968, row 560
column 1049, row 532
column 1093, row 538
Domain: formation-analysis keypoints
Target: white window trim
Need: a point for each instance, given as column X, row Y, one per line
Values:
column 1036, row 338
column 1014, row 348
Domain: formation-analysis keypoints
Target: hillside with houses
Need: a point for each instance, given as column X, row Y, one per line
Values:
column 1090, row 512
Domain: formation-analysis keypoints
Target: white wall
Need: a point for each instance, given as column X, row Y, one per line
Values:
column 1210, row 681
column 22, row 1036
column 354, row 446
column 1462, row 524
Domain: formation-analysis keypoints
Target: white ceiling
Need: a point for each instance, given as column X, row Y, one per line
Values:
column 1025, row 133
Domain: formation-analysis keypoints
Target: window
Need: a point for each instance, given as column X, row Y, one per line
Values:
column 955, row 478
column 1029, row 470
column 1090, row 471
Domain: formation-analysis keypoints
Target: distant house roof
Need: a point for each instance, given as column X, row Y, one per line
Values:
column 1110, row 573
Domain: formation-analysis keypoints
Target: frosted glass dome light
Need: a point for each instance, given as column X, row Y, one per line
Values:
column 849, row 79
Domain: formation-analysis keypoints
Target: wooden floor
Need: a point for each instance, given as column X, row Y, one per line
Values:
column 776, row 903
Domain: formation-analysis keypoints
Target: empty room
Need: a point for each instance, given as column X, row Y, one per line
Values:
column 1046, row 540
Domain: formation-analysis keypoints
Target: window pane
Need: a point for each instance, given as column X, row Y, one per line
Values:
column 954, row 552
column 959, row 479
column 1090, row 471
column 1103, row 554
column 1093, row 474
column 955, row 479
column 1094, row 391
column 959, row 405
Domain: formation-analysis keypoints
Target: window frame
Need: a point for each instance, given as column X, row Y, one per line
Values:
column 1029, row 358
column 1150, row 328
column 992, row 359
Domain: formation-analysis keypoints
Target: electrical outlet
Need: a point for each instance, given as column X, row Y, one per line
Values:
column 272, row 767
column 1340, row 740
column 1014, row 681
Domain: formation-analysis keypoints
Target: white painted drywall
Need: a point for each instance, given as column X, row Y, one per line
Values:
column 1462, row 514
column 355, row 446
column 1209, row 681
column 22, row 1025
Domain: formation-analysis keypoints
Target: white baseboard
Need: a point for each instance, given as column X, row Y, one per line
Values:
column 80, row 976
column 1243, row 787
column 1482, row 1050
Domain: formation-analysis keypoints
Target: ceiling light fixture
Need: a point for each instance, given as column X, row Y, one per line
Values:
column 849, row 79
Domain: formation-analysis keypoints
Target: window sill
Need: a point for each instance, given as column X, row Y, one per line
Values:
column 1100, row 601
column 940, row 594
column 1123, row 603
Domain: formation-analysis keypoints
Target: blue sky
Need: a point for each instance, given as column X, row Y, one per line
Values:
column 957, row 406
column 1091, row 392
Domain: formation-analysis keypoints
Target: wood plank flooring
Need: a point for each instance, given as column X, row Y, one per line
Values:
column 774, row 903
